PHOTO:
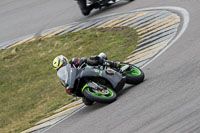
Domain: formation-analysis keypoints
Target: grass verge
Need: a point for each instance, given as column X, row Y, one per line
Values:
column 29, row 87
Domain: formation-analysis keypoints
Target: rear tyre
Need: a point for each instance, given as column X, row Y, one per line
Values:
column 134, row 75
column 87, row 101
column 93, row 95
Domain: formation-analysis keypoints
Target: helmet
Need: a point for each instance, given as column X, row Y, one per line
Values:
column 103, row 56
column 59, row 61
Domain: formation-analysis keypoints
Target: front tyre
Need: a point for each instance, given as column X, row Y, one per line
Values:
column 84, row 9
column 134, row 75
column 105, row 96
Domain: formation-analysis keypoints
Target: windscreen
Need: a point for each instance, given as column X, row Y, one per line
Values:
column 67, row 76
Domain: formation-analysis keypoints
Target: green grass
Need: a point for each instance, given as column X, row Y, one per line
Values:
column 29, row 87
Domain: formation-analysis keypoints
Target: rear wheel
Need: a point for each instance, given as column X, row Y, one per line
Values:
column 134, row 75
column 87, row 101
column 106, row 95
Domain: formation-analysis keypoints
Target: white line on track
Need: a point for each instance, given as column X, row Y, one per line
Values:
column 185, row 23
column 64, row 118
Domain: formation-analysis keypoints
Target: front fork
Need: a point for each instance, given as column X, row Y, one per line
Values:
column 92, row 85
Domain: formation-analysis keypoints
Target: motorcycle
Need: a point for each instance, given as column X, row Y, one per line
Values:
column 98, row 4
column 98, row 83
column 103, row 3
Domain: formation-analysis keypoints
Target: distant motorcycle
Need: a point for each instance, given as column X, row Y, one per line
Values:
column 99, row 83
column 103, row 3
column 98, row 4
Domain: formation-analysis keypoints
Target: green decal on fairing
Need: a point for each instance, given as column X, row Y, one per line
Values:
column 99, row 71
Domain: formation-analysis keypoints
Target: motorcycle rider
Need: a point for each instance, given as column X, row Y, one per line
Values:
column 75, row 62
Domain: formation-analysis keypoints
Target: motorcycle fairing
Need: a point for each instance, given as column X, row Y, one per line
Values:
column 116, row 79
column 67, row 75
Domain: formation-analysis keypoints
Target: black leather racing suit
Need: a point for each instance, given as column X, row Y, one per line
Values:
column 76, row 61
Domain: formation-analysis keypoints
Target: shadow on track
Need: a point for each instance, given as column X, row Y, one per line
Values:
column 125, row 90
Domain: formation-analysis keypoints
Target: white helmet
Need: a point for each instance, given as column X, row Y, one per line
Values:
column 103, row 56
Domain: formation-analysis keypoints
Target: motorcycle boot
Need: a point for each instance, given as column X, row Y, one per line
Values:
column 112, row 64
column 115, row 64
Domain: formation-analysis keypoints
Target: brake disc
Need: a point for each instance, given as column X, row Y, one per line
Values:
column 103, row 92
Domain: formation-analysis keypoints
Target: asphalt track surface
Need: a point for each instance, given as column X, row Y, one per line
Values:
column 167, row 101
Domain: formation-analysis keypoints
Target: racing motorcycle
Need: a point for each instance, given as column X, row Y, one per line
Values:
column 103, row 3
column 98, row 83
column 98, row 4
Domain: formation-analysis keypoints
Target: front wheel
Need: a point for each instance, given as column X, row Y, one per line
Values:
column 134, row 75
column 105, row 96
column 84, row 9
